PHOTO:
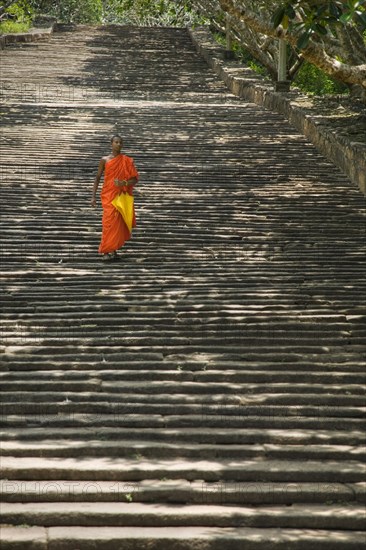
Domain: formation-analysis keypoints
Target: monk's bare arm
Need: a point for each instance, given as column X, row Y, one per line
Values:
column 97, row 180
column 131, row 182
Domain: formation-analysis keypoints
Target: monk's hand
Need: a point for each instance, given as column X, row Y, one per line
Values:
column 122, row 184
column 93, row 202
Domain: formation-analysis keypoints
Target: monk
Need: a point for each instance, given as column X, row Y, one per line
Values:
column 120, row 175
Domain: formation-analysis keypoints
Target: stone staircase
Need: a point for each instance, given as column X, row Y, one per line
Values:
column 205, row 392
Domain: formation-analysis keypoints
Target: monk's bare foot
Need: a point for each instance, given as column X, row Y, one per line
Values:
column 108, row 257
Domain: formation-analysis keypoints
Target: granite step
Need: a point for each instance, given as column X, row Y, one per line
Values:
column 201, row 435
column 123, row 469
column 205, row 392
column 153, row 450
column 181, row 491
column 179, row 538
column 345, row 517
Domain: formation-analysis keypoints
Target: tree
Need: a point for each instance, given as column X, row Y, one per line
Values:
column 7, row 9
column 150, row 12
column 261, row 46
column 327, row 33
column 78, row 11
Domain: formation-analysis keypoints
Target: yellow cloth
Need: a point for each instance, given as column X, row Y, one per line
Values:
column 124, row 205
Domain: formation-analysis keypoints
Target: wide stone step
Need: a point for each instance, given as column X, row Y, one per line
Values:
column 179, row 343
column 348, row 394
column 207, row 390
column 96, row 420
column 344, row 373
column 179, row 335
column 70, row 404
column 70, row 407
column 122, row 469
column 186, row 435
column 154, row 450
column 179, row 538
column 77, row 368
column 170, row 325
column 274, row 393
column 180, row 491
column 13, row 380
column 127, row 514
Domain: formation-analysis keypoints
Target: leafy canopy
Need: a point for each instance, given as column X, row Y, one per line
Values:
column 319, row 17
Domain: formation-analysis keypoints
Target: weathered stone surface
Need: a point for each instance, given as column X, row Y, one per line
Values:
column 21, row 538
column 195, row 538
column 183, row 492
column 42, row 30
column 220, row 363
column 347, row 153
column 346, row 516
column 192, row 538
column 121, row 469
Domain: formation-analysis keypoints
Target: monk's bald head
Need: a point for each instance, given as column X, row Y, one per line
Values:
column 116, row 138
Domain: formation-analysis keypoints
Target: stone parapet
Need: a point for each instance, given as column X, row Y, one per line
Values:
column 42, row 30
column 348, row 154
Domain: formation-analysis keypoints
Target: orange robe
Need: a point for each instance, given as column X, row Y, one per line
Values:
column 115, row 232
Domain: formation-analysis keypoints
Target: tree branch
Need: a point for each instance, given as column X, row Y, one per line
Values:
column 314, row 52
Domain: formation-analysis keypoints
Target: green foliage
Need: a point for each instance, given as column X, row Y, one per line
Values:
column 243, row 55
column 21, row 11
column 7, row 27
column 319, row 18
column 247, row 59
column 150, row 13
column 309, row 79
column 16, row 18
column 75, row 11
column 177, row 13
column 314, row 81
